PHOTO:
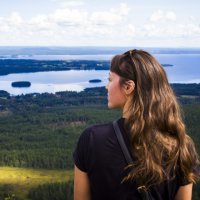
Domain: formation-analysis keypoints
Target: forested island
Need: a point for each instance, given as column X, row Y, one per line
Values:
column 39, row 132
column 21, row 84
column 95, row 81
column 8, row 66
column 167, row 65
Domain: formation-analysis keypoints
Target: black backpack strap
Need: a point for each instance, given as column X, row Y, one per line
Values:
column 145, row 195
column 122, row 143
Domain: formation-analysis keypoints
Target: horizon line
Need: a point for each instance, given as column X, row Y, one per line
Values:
column 95, row 46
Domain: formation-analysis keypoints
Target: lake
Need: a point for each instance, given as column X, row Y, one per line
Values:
column 54, row 81
column 185, row 69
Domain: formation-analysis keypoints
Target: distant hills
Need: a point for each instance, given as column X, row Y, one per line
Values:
column 30, row 50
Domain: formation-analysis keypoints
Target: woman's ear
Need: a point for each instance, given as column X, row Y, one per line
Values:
column 129, row 87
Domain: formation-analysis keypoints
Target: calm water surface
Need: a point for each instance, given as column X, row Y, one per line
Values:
column 185, row 69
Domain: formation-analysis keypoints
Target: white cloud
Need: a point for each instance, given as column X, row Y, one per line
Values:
column 160, row 15
column 14, row 19
column 66, row 24
column 11, row 26
column 110, row 17
column 165, row 25
column 192, row 18
column 171, row 16
column 189, row 29
column 75, row 17
column 69, row 17
column 72, row 3
column 105, row 18
column 72, row 25
column 123, row 10
column 39, row 22
column 131, row 30
column 169, row 30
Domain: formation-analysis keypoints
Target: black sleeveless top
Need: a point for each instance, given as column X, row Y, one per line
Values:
column 98, row 153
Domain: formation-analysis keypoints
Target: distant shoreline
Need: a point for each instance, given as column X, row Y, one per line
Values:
column 9, row 66
column 187, row 89
column 92, row 50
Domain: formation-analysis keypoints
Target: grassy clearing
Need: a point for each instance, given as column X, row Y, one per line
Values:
column 23, row 179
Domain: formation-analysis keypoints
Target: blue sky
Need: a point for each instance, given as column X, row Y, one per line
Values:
column 146, row 23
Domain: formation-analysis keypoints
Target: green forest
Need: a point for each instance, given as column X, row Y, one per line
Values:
column 40, row 131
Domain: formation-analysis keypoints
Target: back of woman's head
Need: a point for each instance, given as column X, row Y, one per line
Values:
column 153, row 119
column 153, row 97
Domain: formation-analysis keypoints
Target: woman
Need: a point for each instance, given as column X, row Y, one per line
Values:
column 164, row 157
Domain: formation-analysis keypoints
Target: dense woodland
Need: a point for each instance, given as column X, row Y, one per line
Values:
column 41, row 130
column 55, row 191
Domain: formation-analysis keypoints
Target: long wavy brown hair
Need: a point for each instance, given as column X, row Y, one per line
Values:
column 159, row 143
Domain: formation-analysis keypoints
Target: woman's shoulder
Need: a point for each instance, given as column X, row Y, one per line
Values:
column 89, row 140
column 98, row 129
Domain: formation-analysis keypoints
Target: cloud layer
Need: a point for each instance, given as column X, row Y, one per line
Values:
column 72, row 24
